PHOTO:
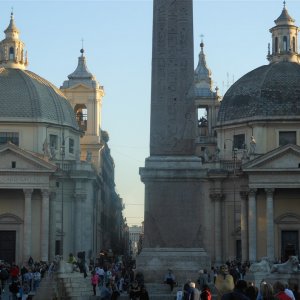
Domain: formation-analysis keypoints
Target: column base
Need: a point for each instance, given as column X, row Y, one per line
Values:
column 184, row 262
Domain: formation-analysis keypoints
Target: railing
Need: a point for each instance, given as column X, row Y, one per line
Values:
column 66, row 165
column 230, row 165
column 206, row 140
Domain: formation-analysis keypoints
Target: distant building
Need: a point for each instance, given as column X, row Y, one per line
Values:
column 57, row 185
column 135, row 233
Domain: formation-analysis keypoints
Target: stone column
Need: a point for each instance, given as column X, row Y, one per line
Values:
column 45, row 226
column 27, row 225
column 52, row 227
column 78, row 223
column 217, row 198
column 252, row 225
column 244, row 225
column 209, row 120
column 270, row 223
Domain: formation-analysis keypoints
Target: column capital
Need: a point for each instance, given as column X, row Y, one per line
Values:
column 52, row 195
column 269, row 191
column 244, row 194
column 27, row 192
column 79, row 197
column 217, row 196
column 45, row 193
column 252, row 192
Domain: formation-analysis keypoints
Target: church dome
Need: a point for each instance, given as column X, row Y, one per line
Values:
column 267, row 92
column 27, row 97
column 271, row 91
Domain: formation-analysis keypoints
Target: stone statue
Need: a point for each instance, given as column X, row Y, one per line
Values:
column 52, row 152
column 252, row 145
column 46, row 148
column 217, row 154
column 206, row 155
column 290, row 266
column 89, row 156
column 263, row 266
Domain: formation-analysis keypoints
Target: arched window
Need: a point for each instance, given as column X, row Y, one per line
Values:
column 11, row 53
column 81, row 116
column 285, row 46
column 276, row 45
column 294, row 44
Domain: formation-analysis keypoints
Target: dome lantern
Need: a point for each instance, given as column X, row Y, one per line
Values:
column 284, row 39
column 12, row 53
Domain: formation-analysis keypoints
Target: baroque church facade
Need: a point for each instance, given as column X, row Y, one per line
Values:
column 236, row 194
column 249, row 145
column 57, row 190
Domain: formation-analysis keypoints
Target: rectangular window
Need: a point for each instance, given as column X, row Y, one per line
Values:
column 71, row 146
column 287, row 137
column 239, row 141
column 12, row 137
column 53, row 141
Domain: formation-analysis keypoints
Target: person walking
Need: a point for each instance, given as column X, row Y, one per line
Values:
column 94, row 281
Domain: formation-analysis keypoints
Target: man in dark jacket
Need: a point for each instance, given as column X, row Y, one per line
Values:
column 238, row 293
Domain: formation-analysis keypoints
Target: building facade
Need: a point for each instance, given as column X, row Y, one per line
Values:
column 56, row 172
column 135, row 233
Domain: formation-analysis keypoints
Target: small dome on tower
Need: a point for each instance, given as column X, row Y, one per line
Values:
column 12, row 54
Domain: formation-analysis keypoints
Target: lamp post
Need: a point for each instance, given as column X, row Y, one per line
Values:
column 234, row 157
column 62, row 152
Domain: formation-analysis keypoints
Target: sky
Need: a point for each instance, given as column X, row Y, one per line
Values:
column 117, row 38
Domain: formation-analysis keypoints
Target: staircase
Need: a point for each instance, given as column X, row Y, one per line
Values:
column 73, row 286
column 46, row 290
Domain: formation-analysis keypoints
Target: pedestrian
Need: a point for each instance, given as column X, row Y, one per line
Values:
column 36, row 279
column 105, row 293
column 238, row 292
column 195, row 291
column 170, row 279
column 94, row 281
column 279, row 291
column 144, row 293
column 205, row 293
column 134, row 290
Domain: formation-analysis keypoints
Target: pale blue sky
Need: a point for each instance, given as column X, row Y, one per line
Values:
column 117, row 40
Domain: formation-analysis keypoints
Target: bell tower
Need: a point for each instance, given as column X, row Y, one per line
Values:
column 85, row 95
column 284, row 39
column 12, row 48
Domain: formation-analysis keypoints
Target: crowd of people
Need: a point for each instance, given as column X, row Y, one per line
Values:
column 227, row 282
column 22, row 282
column 114, row 279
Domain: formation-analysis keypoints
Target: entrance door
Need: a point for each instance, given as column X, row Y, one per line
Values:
column 8, row 245
column 289, row 244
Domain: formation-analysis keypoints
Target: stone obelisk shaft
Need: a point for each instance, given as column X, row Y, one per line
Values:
column 173, row 232
column 172, row 112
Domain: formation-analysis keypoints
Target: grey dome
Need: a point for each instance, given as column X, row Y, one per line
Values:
column 27, row 97
column 268, row 92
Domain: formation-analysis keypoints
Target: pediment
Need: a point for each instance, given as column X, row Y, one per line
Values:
column 8, row 218
column 80, row 87
column 288, row 218
column 285, row 158
column 25, row 161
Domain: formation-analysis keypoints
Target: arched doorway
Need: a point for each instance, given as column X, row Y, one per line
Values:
column 10, row 237
column 289, row 244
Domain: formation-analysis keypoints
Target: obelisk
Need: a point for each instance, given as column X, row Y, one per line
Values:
column 173, row 236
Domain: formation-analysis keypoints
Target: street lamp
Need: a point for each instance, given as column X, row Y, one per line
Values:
column 234, row 157
column 62, row 152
